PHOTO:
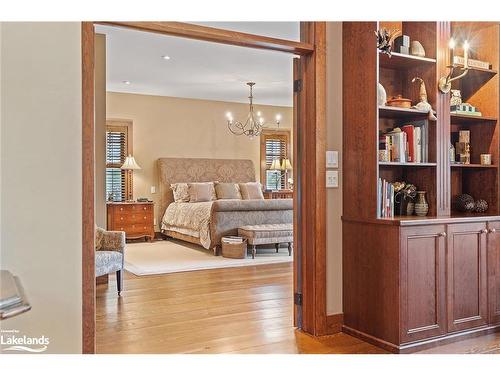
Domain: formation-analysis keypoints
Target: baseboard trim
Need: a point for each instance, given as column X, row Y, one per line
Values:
column 423, row 344
column 334, row 323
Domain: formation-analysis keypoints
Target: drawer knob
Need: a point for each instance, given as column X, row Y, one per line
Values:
column 144, row 208
column 484, row 231
column 493, row 230
column 121, row 208
column 442, row 234
column 145, row 217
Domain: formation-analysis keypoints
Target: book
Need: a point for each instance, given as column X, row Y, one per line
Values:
column 410, row 149
column 385, row 207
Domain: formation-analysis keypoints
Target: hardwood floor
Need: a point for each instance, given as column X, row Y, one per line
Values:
column 232, row 310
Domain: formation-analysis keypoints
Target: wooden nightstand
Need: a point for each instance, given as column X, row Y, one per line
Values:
column 134, row 218
column 280, row 194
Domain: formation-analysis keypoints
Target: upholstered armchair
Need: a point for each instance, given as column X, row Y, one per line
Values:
column 110, row 254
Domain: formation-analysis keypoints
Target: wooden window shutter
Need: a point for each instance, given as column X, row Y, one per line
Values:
column 274, row 145
column 117, row 148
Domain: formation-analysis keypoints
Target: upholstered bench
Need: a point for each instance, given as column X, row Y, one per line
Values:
column 264, row 234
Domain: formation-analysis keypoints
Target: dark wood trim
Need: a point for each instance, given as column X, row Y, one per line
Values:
column 421, row 345
column 88, row 248
column 334, row 323
column 311, row 135
column 211, row 34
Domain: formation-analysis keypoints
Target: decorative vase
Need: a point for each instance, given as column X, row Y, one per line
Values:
column 410, row 208
column 381, row 95
column 421, row 205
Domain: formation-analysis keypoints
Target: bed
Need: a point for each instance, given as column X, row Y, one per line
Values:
column 205, row 223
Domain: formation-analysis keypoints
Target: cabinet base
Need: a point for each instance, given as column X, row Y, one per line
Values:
column 423, row 344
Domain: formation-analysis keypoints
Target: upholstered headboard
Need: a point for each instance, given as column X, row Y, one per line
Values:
column 173, row 170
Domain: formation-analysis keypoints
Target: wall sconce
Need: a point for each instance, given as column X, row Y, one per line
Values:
column 445, row 82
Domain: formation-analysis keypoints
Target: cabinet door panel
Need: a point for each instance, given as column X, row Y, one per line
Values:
column 423, row 282
column 494, row 271
column 467, row 278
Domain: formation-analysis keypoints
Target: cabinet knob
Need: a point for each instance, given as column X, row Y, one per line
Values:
column 442, row 234
column 493, row 230
column 484, row 231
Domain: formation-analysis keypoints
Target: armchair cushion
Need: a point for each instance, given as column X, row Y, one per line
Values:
column 107, row 262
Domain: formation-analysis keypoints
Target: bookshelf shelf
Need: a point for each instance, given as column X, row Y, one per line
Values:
column 470, row 119
column 401, row 113
column 481, row 166
column 414, row 165
column 402, row 61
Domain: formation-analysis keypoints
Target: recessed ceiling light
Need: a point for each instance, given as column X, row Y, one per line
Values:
column 165, row 57
column 126, row 82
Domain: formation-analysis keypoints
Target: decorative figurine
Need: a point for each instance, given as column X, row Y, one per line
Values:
column 456, row 98
column 423, row 105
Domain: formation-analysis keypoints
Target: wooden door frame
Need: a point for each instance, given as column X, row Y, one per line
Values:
column 310, row 195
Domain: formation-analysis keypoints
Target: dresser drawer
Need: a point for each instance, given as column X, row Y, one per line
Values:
column 132, row 208
column 125, row 218
column 134, row 229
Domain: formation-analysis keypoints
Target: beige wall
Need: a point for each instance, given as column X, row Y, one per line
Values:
column 334, row 142
column 41, row 177
column 176, row 127
column 100, row 130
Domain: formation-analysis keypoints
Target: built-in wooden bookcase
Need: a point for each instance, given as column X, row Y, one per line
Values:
column 396, row 73
column 410, row 282
column 480, row 88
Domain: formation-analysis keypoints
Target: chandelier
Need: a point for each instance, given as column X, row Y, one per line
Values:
column 254, row 123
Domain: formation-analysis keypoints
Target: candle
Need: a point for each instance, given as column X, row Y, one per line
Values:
column 451, row 44
column 466, row 55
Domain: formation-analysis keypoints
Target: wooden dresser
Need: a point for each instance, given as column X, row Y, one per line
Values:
column 134, row 218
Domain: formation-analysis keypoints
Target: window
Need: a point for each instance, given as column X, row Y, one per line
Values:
column 274, row 145
column 118, row 146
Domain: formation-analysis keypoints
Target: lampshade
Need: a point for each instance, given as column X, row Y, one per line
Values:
column 130, row 163
column 275, row 166
column 286, row 165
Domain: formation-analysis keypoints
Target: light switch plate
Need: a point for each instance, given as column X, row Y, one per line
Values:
column 332, row 179
column 153, row 189
column 332, row 159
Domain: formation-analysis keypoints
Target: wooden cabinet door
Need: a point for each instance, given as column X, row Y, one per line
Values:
column 467, row 277
column 423, row 282
column 494, row 271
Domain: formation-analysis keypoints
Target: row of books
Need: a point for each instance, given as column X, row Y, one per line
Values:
column 405, row 144
column 385, row 193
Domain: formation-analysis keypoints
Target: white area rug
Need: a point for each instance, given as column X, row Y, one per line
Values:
column 177, row 256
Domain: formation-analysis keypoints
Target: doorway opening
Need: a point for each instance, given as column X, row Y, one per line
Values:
column 293, row 156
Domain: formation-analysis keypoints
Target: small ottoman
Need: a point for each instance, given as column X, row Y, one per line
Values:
column 264, row 234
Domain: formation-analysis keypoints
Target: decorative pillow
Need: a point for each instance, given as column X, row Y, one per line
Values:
column 181, row 192
column 99, row 237
column 227, row 190
column 251, row 190
column 201, row 192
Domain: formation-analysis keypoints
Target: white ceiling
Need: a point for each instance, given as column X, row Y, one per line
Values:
column 200, row 70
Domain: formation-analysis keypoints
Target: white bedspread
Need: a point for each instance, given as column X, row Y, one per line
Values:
column 194, row 218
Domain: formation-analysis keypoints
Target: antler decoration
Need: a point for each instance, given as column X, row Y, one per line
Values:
column 385, row 39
